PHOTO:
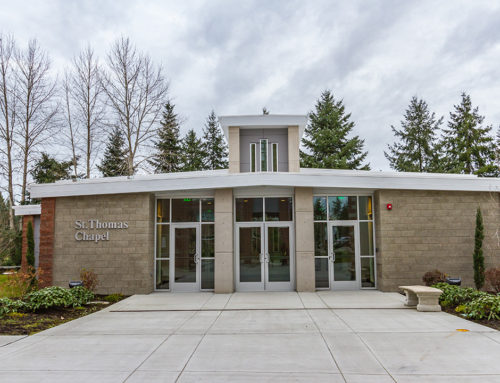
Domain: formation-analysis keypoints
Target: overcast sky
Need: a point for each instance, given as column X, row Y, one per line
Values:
column 238, row 56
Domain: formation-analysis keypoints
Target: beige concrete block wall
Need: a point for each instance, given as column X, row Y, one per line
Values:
column 293, row 149
column 304, row 240
column 234, row 149
column 124, row 264
column 224, row 258
column 429, row 230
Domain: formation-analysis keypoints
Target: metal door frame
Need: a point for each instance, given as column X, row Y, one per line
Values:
column 344, row 285
column 264, row 285
column 185, row 287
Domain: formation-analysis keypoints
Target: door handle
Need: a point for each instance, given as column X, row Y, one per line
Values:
column 196, row 258
column 266, row 258
column 332, row 257
column 262, row 258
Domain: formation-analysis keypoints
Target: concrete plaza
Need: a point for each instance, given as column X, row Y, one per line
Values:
column 363, row 336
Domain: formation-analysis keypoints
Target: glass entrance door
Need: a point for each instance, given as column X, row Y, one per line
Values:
column 264, row 257
column 186, row 267
column 344, row 256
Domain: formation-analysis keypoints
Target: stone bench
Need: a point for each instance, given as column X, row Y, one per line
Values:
column 425, row 298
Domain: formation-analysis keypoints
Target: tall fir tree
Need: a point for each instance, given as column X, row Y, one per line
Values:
column 415, row 149
column 114, row 163
column 214, row 145
column 468, row 147
column 326, row 138
column 193, row 152
column 168, row 147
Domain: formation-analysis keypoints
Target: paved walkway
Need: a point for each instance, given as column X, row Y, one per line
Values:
column 258, row 337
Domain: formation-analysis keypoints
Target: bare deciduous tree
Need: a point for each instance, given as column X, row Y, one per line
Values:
column 8, row 116
column 136, row 91
column 87, row 94
column 36, row 110
column 71, row 133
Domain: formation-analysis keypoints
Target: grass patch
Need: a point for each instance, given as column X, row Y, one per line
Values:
column 7, row 291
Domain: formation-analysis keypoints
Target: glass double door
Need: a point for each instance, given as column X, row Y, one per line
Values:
column 265, row 257
column 339, row 269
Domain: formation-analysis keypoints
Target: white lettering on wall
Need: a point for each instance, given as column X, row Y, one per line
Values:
column 95, row 224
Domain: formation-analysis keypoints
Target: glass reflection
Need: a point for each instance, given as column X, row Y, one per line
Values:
column 250, row 250
column 185, row 251
column 249, row 209
column 279, row 254
column 279, row 209
column 186, row 210
column 319, row 206
column 342, row 208
column 343, row 247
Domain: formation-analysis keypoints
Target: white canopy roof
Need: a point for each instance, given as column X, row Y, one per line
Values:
column 263, row 121
column 323, row 178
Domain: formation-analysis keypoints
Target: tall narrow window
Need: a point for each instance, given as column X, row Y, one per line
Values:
column 274, row 156
column 263, row 155
column 253, row 157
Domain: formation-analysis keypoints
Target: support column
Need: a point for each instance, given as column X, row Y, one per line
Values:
column 304, row 239
column 234, row 149
column 293, row 149
column 224, row 264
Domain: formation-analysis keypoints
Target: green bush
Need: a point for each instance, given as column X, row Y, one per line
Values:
column 51, row 297
column 113, row 298
column 456, row 295
column 8, row 305
column 82, row 295
column 484, row 307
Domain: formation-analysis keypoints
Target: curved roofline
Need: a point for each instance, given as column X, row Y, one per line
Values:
column 326, row 178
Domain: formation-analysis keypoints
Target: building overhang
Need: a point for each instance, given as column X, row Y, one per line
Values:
column 27, row 210
column 218, row 179
column 263, row 121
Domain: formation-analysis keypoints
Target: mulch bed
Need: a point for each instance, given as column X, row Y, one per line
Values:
column 495, row 324
column 31, row 323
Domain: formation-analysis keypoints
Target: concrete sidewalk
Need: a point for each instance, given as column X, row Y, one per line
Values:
column 252, row 337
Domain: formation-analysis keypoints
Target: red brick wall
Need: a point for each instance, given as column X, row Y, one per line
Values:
column 47, row 225
column 26, row 219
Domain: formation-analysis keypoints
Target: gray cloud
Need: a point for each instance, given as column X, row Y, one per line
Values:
column 238, row 56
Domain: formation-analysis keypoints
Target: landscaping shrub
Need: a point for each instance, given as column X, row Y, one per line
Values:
column 113, row 298
column 484, row 307
column 456, row 295
column 432, row 277
column 8, row 305
column 25, row 281
column 89, row 279
column 51, row 297
column 82, row 295
column 492, row 276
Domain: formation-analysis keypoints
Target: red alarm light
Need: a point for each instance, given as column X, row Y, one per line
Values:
column 389, row 206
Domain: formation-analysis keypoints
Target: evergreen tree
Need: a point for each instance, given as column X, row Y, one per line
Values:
column 326, row 138
column 192, row 148
column 214, row 145
column 478, row 256
column 168, row 156
column 114, row 162
column 30, row 251
column 497, row 153
column 467, row 147
column 416, row 150
column 47, row 170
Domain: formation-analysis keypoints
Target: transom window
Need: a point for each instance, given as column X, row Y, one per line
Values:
column 264, row 209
